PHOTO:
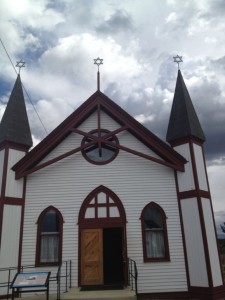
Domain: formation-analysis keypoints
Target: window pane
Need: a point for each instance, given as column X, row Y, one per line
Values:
column 153, row 218
column 90, row 213
column 100, row 152
column 102, row 212
column 114, row 212
column 49, row 248
column 155, row 244
column 50, row 222
column 101, row 198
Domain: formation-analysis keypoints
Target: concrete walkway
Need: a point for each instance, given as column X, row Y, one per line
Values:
column 76, row 294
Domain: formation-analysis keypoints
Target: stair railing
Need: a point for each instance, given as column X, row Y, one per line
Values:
column 63, row 272
column 132, row 275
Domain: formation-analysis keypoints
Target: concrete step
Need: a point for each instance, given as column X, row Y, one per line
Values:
column 76, row 294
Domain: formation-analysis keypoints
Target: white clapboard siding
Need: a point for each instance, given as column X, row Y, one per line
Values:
column 193, row 236
column 14, row 188
column 107, row 122
column 136, row 181
column 185, row 179
column 202, row 179
column 212, row 242
column 2, row 155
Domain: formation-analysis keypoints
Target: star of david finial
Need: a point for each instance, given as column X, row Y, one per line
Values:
column 20, row 64
column 98, row 61
column 178, row 59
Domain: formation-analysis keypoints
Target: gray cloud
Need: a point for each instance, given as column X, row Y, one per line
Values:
column 119, row 21
column 59, row 39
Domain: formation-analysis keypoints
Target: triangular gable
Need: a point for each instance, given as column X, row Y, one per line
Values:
column 96, row 102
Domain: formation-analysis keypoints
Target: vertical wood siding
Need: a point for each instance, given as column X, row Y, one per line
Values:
column 10, row 236
column 202, row 179
column 2, row 155
column 212, row 242
column 185, row 179
column 135, row 181
column 194, row 243
column 14, row 188
column 9, row 241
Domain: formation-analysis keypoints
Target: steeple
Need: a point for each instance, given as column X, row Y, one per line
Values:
column 14, row 126
column 183, row 121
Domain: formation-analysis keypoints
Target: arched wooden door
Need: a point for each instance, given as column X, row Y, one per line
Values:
column 102, row 247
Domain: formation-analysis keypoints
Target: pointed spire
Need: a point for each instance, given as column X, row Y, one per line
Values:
column 183, row 121
column 14, row 126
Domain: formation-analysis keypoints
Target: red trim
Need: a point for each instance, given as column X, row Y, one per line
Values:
column 38, row 241
column 3, row 186
column 207, row 293
column 22, row 224
column 169, row 295
column 101, row 222
column 201, row 215
column 182, row 230
column 84, row 111
column 216, row 293
column 101, row 141
column 98, row 221
column 4, row 174
column 194, row 194
column 213, row 216
column 186, row 140
column 14, row 146
column 13, row 201
column 199, row 195
column 165, row 235
column 1, row 219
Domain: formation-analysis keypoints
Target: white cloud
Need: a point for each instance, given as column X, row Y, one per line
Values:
column 172, row 18
column 60, row 39
column 142, row 118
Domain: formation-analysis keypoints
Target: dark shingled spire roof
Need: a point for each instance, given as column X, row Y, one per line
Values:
column 14, row 126
column 183, row 121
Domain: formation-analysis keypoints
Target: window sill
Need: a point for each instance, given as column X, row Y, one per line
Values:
column 155, row 260
column 43, row 264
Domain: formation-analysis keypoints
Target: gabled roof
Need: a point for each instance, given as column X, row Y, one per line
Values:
column 14, row 125
column 98, row 100
column 183, row 121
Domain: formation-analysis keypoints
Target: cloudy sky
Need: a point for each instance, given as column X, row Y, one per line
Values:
column 137, row 39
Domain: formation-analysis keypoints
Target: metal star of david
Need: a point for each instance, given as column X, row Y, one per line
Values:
column 178, row 59
column 20, row 64
column 98, row 61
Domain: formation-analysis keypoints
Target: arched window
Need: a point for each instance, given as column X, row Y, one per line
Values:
column 100, row 207
column 49, row 237
column 154, row 233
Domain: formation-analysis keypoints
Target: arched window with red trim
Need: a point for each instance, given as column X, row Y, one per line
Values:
column 100, row 207
column 154, row 233
column 49, row 237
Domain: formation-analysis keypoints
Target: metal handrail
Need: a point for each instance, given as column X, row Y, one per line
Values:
column 132, row 275
column 58, row 276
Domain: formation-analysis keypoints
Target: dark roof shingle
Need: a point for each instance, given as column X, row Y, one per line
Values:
column 183, row 121
column 14, row 126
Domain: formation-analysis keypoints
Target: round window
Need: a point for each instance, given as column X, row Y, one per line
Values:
column 103, row 150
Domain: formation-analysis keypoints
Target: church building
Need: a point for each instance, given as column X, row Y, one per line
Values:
column 101, row 190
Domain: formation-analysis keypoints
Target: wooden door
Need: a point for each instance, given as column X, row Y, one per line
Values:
column 91, row 257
